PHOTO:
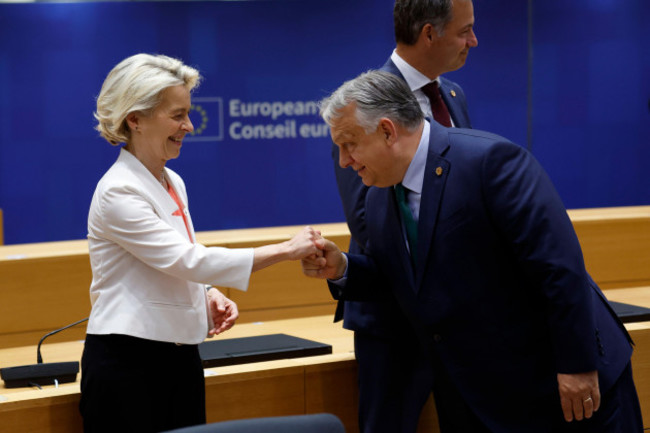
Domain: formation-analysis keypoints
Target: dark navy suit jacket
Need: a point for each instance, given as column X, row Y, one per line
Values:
column 378, row 318
column 500, row 292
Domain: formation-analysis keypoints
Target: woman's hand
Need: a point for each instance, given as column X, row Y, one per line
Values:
column 303, row 245
column 223, row 312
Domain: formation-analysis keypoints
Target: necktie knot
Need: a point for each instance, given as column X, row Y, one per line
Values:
column 432, row 90
column 400, row 191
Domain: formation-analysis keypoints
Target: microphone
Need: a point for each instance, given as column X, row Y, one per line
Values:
column 41, row 374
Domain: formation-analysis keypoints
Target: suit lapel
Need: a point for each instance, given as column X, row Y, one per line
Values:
column 453, row 103
column 435, row 177
column 160, row 199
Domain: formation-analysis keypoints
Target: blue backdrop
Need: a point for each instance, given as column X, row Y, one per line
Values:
column 261, row 155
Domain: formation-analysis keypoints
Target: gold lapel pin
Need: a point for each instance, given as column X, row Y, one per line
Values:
column 453, row 94
column 439, row 171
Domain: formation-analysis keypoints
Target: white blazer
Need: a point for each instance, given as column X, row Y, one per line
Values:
column 148, row 277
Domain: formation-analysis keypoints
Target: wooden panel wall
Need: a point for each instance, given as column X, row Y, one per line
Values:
column 45, row 286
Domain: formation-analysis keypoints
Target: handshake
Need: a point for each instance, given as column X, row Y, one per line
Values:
column 320, row 258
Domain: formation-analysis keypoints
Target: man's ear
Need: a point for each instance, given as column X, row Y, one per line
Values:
column 388, row 130
column 429, row 33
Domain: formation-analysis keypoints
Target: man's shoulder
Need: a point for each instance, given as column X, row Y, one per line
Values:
column 469, row 141
column 478, row 134
column 391, row 68
column 447, row 83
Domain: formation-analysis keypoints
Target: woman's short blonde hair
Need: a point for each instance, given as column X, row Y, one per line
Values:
column 135, row 84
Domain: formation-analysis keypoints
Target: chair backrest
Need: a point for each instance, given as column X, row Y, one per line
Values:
column 313, row 423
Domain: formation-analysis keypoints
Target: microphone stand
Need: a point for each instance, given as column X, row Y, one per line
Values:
column 41, row 374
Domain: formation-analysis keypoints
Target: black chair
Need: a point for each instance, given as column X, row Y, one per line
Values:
column 316, row 423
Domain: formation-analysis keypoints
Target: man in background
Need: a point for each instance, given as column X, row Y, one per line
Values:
column 432, row 37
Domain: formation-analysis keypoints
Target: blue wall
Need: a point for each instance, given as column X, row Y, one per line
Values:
column 591, row 87
column 589, row 103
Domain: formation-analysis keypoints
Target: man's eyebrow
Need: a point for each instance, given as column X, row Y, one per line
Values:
column 468, row 26
column 343, row 135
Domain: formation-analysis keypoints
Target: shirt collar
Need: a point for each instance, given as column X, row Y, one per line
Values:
column 414, row 78
column 414, row 176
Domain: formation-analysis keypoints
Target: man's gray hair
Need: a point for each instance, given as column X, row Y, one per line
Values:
column 376, row 94
column 410, row 16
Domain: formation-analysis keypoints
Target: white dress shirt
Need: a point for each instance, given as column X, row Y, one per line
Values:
column 414, row 176
column 416, row 80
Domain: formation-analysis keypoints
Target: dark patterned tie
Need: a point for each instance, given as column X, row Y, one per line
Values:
column 409, row 222
column 438, row 107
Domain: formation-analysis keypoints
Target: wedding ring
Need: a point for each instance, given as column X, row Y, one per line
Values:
column 586, row 399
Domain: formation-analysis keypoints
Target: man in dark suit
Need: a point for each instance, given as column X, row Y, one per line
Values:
column 433, row 37
column 466, row 231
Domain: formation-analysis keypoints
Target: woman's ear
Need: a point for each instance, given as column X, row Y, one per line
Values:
column 133, row 120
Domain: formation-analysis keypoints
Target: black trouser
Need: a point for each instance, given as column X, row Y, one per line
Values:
column 130, row 384
column 394, row 383
column 454, row 415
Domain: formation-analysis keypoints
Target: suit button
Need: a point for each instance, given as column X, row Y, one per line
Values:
column 437, row 338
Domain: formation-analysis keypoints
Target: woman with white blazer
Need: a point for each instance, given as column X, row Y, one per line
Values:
column 141, row 370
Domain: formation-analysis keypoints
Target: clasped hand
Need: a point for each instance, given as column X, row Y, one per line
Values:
column 330, row 263
column 307, row 245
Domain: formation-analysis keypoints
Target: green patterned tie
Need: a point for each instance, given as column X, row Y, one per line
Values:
column 409, row 222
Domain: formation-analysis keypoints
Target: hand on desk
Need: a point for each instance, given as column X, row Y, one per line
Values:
column 331, row 264
column 223, row 312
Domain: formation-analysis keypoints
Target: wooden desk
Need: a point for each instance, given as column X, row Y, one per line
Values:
column 616, row 244
column 284, row 387
column 326, row 383
column 44, row 286
column 640, row 333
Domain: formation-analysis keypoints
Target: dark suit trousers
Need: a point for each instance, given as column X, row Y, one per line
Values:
column 394, row 383
column 454, row 415
column 133, row 385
